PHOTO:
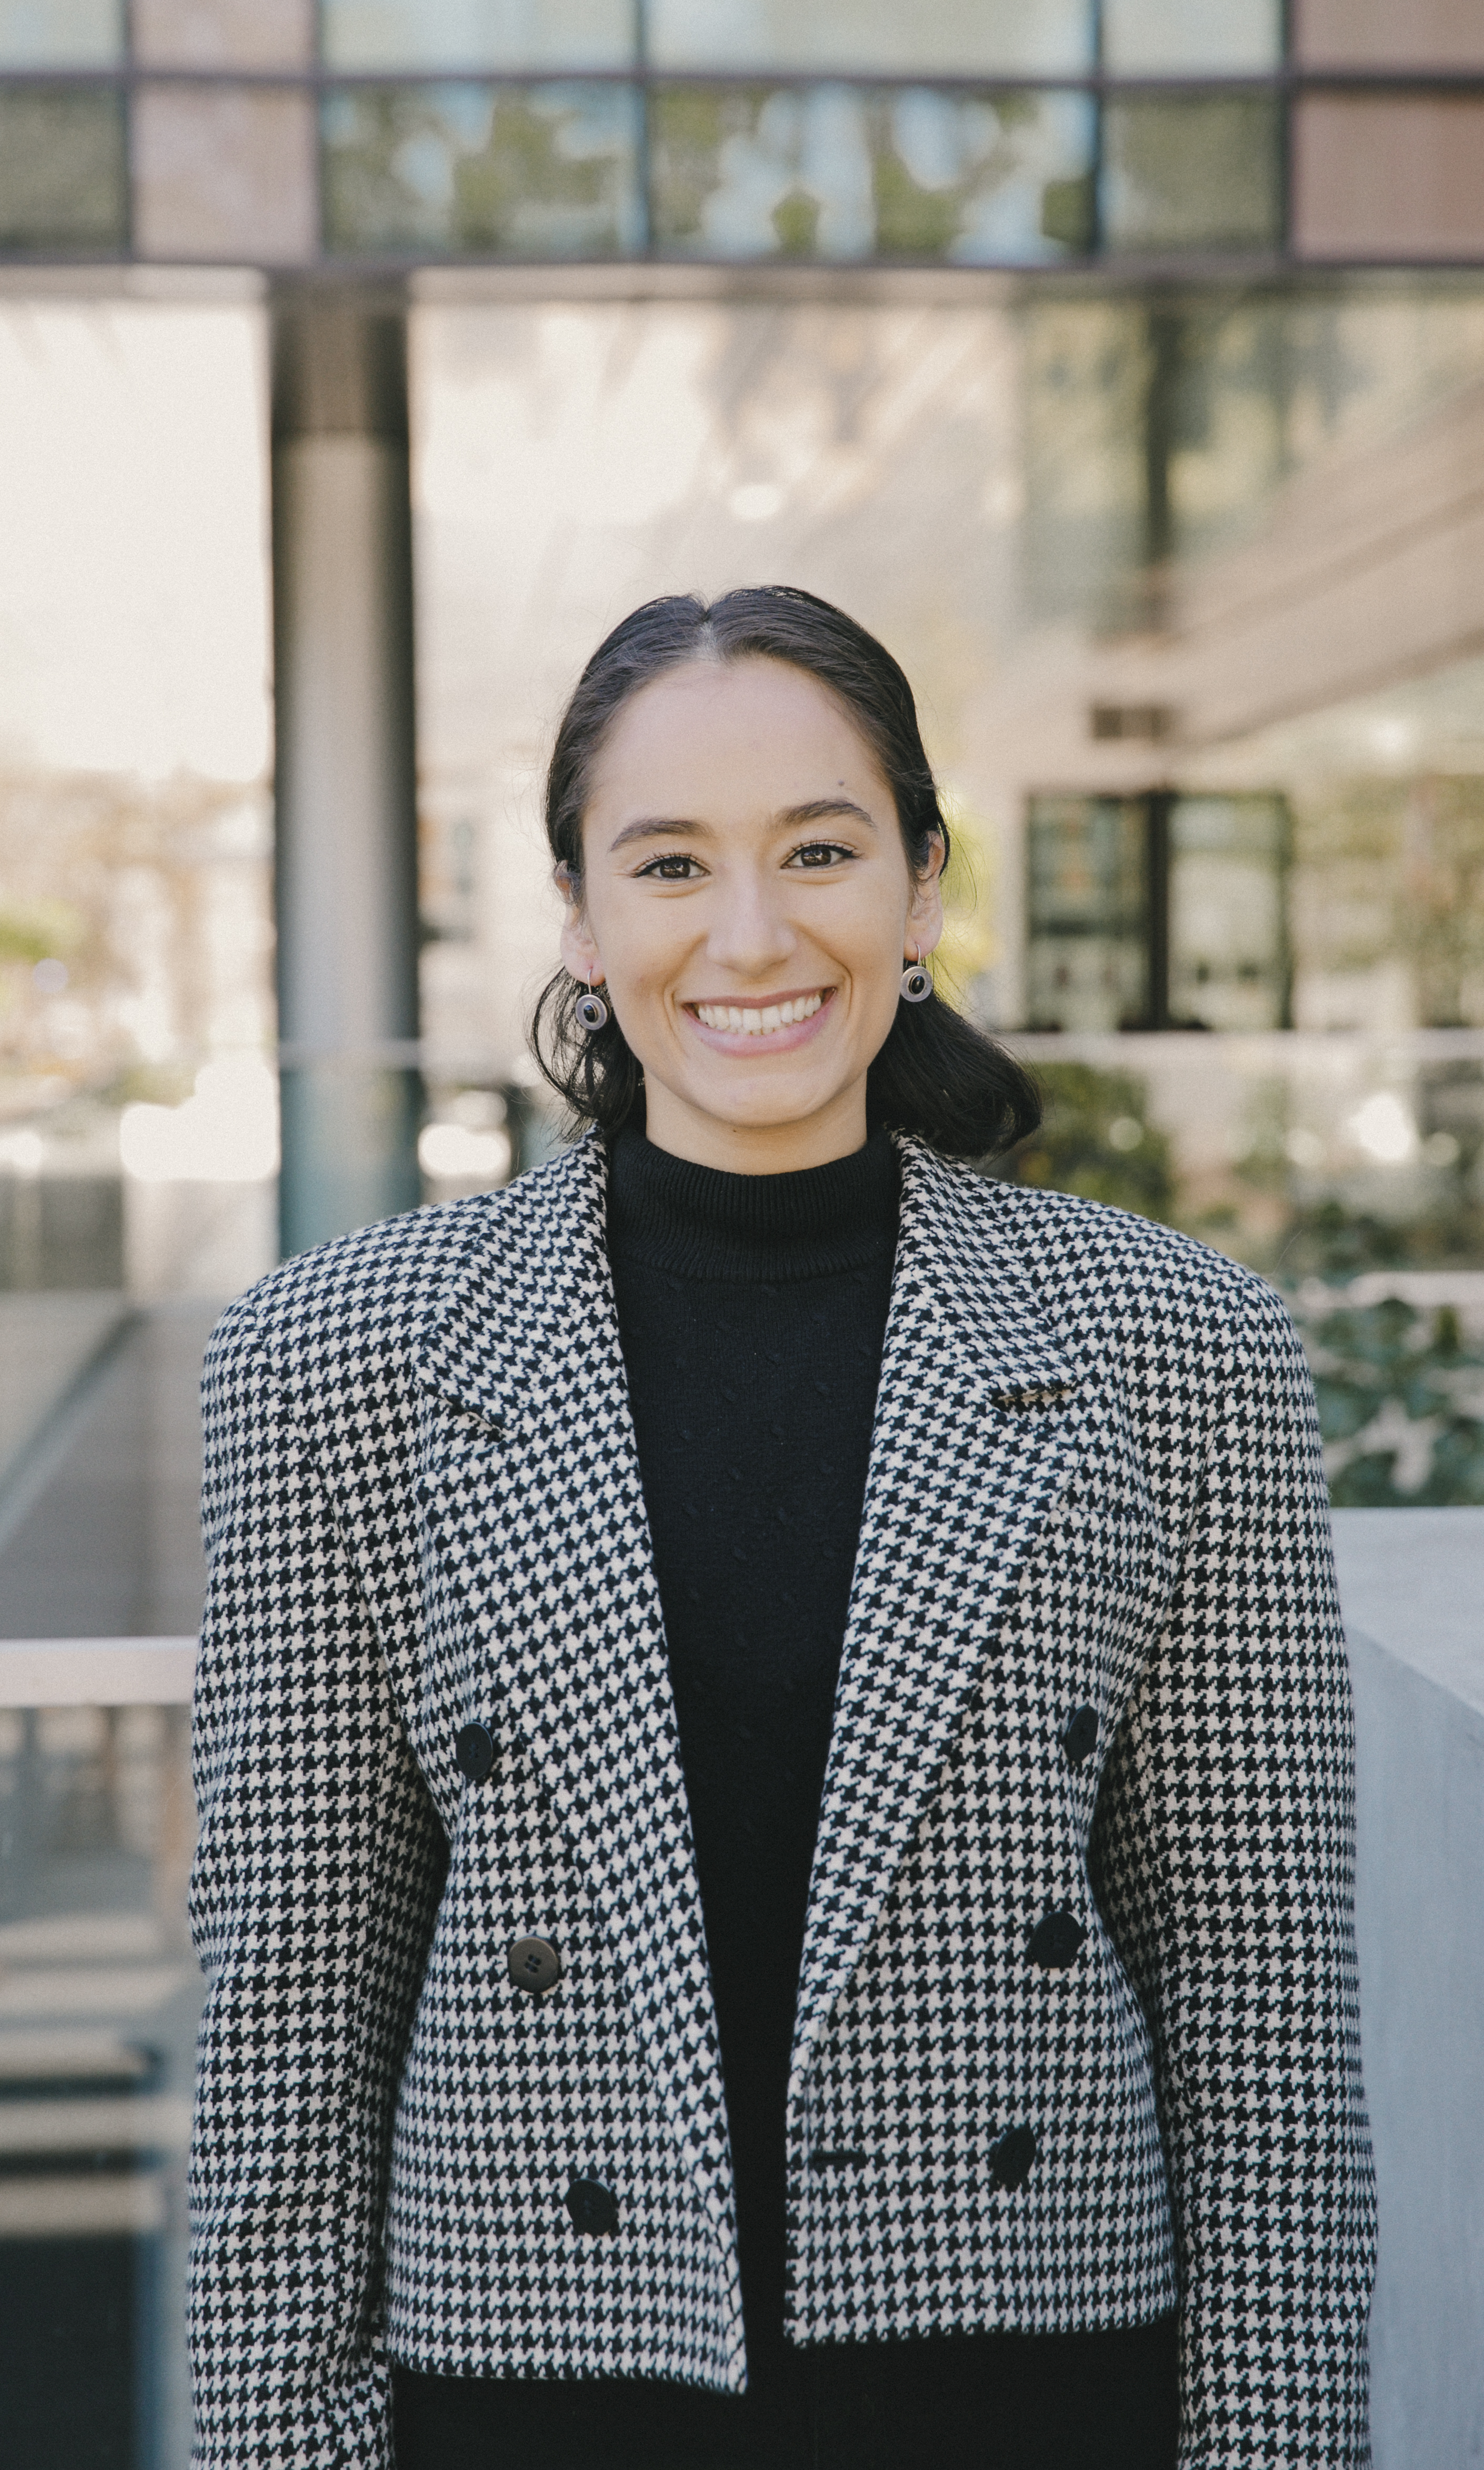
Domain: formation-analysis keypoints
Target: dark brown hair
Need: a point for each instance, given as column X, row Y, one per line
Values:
column 936, row 1074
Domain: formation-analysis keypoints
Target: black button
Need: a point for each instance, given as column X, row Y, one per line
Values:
column 534, row 1964
column 1010, row 2160
column 1081, row 1737
column 1055, row 1940
column 475, row 1751
column 592, row 2207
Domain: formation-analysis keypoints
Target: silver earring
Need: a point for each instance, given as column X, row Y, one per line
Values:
column 916, row 984
column 592, row 1011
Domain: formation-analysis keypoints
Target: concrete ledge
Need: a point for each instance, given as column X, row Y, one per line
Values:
column 1412, row 1581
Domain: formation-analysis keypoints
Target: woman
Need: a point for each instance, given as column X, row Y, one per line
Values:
column 773, row 1735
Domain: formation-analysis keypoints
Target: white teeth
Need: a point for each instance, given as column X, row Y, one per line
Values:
column 758, row 1021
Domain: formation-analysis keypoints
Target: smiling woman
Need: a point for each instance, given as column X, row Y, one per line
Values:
column 744, row 821
column 831, row 1947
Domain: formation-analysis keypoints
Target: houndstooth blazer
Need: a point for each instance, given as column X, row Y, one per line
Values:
column 1076, row 2024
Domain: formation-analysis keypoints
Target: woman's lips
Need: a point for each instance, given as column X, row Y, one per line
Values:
column 770, row 1028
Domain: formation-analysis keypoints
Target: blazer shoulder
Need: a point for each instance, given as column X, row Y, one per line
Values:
column 1105, row 1270
column 363, row 1299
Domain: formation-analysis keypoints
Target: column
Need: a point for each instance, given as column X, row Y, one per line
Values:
column 345, row 774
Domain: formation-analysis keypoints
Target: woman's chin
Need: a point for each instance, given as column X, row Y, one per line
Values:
column 716, row 1108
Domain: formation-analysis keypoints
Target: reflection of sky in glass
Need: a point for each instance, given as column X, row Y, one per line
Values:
column 476, row 34
column 61, row 34
column 840, row 172
column 1148, row 36
column 1016, row 37
column 817, row 142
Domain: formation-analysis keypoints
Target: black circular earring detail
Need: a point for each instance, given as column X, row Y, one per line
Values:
column 916, row 982
column 592, row 1011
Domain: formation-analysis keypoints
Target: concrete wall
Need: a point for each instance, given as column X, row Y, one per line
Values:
column 1413, row 1588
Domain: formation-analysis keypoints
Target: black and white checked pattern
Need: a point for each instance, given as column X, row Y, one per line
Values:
column 1095, row 1480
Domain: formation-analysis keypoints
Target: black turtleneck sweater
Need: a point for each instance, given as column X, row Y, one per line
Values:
column 751, row 1311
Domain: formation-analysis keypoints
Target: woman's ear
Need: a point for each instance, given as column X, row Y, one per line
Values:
column 580, row 956
column 925, row 917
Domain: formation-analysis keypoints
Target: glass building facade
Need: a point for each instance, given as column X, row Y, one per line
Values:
column 1054, row 132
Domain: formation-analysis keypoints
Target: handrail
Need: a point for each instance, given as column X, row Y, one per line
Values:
column 96, row 1671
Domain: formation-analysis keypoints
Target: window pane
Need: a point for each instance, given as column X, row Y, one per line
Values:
column 953, row 37
column 1086, row 958
column 61, row 34
column 222, row 33
column 1150, row 37
column 1198, row 172
column 1228, row 949
column 61, row 169
column 541, row 172
column 835, row 171
column 224, row 172
column 476, row 34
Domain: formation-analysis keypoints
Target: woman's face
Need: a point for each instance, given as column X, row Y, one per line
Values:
column 748, row 904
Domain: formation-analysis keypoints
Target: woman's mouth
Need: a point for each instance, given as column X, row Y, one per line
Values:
column 759, row 1019
column 773, row 1026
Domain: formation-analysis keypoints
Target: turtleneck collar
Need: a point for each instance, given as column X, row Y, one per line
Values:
column 696, row 1222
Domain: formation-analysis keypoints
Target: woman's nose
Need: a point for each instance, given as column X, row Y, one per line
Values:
column 749, row 929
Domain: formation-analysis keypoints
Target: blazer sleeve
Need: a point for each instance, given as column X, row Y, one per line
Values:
column 313, row 1896
column 1223, row 1859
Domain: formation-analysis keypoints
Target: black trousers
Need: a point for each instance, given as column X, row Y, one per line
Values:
column 1005, row 2401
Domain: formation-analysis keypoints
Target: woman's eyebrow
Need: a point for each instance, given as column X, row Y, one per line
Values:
column 817, row 809
column 814, row 811
column 656, row 828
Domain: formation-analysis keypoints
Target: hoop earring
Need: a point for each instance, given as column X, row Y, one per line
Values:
column 916, row 984
column 592, row 1011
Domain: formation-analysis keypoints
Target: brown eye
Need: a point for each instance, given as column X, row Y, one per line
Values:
column 819, row 854
column 673, row 868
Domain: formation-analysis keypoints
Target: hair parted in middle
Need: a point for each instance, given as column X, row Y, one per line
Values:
column 936, row 1074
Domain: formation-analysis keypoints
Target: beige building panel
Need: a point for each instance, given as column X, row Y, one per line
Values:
column 224, row 172
column 1389, row 177
column 223, row 33
column 1389, row 34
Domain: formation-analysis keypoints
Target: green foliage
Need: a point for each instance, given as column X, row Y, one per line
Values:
column 1401, row 1391
column 796, row 219
column 1069, row 211
column 39, row 930
column 1097, row 1140
column 912, row 222
column 1328, row 1240
column 1401, row 1405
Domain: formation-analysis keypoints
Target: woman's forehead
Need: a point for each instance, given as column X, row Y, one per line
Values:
column 715, row 733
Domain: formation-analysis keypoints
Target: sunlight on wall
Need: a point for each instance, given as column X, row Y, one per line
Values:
column 227, row 1132
column 133, row 585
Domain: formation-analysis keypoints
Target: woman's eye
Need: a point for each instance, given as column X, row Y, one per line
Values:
column 675, row 867
column 819, row 853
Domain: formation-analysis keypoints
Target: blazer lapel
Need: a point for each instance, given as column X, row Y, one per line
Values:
column 974, row 1442
column 541, row 1526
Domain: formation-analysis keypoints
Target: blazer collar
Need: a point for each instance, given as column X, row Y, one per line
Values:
column 546, row 1538
column 975, row 1437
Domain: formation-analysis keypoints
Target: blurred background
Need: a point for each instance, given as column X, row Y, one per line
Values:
column 1121, row 365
